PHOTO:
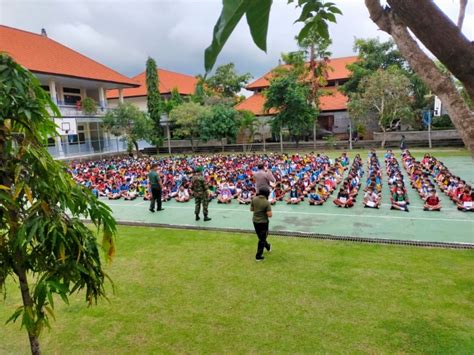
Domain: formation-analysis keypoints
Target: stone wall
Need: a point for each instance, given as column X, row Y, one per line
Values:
column 417, row 135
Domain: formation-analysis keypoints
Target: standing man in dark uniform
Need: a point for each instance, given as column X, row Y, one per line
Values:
column 262, row 211
column 155, row 185
column 201, row 195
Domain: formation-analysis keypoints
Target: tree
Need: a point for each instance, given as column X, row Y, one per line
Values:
column 400, row 18
column 42, row 236
column 153, row 100
column 289, row 97
column 129, row 122
column 226, row 82
column 175, row 100
column 248, row 125
column 187, row 117
column 219, row 123
column 385, row 96
column 374, row 55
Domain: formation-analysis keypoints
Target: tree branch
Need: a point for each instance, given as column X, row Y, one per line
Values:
column 440, row 35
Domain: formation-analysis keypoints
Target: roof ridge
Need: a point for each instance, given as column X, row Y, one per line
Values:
column 22, row 30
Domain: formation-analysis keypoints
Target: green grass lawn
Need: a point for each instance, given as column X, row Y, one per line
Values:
column 183, row 291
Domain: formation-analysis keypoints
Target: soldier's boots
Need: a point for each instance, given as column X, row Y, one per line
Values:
column 206, row 218
column 197, row 217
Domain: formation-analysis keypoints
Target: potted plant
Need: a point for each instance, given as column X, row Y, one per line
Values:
column 89, row 106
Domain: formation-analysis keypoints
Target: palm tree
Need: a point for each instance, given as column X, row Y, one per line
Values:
column 248, row 125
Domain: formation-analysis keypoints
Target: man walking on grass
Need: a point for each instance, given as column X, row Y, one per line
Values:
column 156, row 186
column 201, row 195
column 262, row 211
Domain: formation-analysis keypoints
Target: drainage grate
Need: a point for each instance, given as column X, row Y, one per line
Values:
column 417, row 243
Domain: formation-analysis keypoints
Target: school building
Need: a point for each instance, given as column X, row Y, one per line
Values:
column 333, row 117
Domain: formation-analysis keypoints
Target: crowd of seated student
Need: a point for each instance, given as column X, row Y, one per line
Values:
column 421, row 182
column 350, row 188
column 373, row 189
column 398, row 192
column 228, row 176
column 453, row 186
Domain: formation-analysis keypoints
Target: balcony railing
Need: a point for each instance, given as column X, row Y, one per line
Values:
column 75, row 111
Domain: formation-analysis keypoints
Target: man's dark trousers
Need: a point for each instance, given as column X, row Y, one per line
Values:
column 262, row 231
column 155, row 196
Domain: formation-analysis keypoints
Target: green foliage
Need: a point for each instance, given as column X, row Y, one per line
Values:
column 385, row 96
column 294, row 111
column 129, row 122
column 226, row 82
column 42, row 236
column 375, row 55
column 174, row 101
column 257, row 14
column 200, row 93
column 443, row 121
column 153, row 100
column 187, row 117
column 220, row 123
column 315, row 14
column 248, row 124
column 89, row 106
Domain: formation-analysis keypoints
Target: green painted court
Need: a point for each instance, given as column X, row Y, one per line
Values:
column 449, row 225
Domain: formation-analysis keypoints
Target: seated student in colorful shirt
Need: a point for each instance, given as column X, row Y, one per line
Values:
column 432, row 202
column 131, row 193
column 466, row 200
column 371, row 198
column 294, row 198
column 225, row 195
column 399, row 201
column 183, row 194
column 314, row 198
column 245, row 197
column 114, row 194
column 343, row 199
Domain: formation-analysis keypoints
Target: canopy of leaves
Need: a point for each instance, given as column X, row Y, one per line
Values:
column 129, row 122
column 289, row 97
column 385, row 96
column 153, row 99
column 187, row 117
column 41, row 231
column 175, row 100
column 220, row 123
column 226, row 82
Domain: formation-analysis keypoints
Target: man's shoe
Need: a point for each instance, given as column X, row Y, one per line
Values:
column 269, row 248
column 260, row 258
column 206, row 218
column 160, row 209
column 197, row 217
column 151, row 210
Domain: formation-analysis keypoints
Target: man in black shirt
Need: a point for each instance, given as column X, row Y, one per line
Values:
column 156, row 186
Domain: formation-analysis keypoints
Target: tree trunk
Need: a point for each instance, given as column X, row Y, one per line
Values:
column 462, row 13
column 138, row 150
column 28, row 305
column 439, row 35
column 192, row 145
column 222, row 144
column 441, row 84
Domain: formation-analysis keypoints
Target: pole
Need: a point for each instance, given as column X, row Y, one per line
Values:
column 350, row 135
column 314, row 135
column 169, row 138
column 429, row 132
column 281, row 141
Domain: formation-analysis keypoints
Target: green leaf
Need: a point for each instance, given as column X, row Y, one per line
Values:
column 232, row 12
column 257, row 15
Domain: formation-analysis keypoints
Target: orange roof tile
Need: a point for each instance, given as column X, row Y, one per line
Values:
column 337, row 64
column 335, row 101
column 41, row 54
column 169, row 80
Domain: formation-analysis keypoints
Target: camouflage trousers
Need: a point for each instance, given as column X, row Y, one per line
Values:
column 198, row 200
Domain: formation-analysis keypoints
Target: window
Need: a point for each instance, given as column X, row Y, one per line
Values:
column 51, row 142
column 45, row 87
column 71, row 96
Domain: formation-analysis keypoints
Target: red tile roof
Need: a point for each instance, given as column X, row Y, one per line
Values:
column 337, row 64
column 185, row 84
column 335, row 101
column 41, row 54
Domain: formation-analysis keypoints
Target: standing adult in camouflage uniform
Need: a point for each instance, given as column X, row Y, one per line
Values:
column 201, row 196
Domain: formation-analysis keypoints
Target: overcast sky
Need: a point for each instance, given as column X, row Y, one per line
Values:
column 122, row 34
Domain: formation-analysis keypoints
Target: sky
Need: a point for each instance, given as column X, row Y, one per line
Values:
column 122, row 34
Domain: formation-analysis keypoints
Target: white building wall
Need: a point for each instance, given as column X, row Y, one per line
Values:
column 140, row 102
